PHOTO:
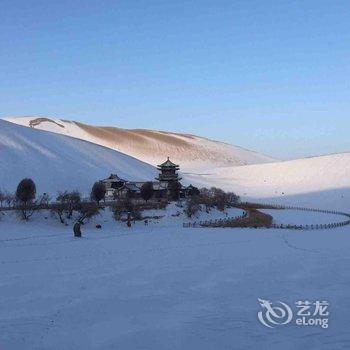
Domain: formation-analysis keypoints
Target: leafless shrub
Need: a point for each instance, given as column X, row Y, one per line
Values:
column 70, row 202
column 192, row 206
column 98, row 192
column 147, row 191
column 44, row 200
column 58, row 209
column 25, row 196
column 87, row 210
column 9, row 199
column 125, row 206
column 2, row 198
column 215, row 197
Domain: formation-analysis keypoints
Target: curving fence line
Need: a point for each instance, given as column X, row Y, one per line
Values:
column 214, row 223
column 305, row 227
column 226, row 222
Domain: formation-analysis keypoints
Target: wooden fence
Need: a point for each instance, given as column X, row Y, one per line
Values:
column 214, row 223
column 226, row 222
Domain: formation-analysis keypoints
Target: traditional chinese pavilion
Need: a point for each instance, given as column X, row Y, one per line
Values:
column 168, row 171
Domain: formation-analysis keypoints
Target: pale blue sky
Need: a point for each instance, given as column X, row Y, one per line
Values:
column 273, row 76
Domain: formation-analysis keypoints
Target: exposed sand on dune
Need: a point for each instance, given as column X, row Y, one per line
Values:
column 194, row 153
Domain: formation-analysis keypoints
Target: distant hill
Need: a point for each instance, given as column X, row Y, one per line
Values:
column 322, row 181
column 56, row 162
column 193, row 153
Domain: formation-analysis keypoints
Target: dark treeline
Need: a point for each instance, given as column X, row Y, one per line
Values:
column 69, row 205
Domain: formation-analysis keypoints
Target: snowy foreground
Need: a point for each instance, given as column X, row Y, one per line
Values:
column 165, row 287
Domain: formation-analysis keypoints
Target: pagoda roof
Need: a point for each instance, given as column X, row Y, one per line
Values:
column 113, row 178
column 130, row 186
column 168, row 164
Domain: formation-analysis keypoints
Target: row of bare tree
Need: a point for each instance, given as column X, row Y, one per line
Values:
column 210, row 198
column 69, row 203
column 25, row 201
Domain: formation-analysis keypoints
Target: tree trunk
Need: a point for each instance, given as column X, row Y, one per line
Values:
column 76, row 229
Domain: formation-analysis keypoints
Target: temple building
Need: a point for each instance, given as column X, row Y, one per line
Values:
column 168, row 173
column 112, row 183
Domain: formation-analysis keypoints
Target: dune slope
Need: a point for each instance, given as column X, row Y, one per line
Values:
column 57, row 162
column 194, row 153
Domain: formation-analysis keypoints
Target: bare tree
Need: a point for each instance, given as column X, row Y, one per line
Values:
column 232, row 198
column 9, row 199
column 70, row 200
column 174, row 190
column 192, row 206
column 59, row 209
column 215, row 197
column 87, row 210
column 122, row 206
column 219, row 198
column 206, row 198
column 147, row 191
column 193, row 191
column 98, row 192
column 44, row 200
column 125, row 206
column 25, row 196
column 2, row 198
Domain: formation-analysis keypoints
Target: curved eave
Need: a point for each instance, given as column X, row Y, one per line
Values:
column 160, row 167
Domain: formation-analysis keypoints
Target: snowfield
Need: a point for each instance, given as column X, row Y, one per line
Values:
column 322, row 182
column 58, row 163
column 161, row 286
column 194, row 153
column 165, row 287
column 297, row 217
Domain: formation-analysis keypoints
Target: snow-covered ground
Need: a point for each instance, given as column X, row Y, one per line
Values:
column 194, row 153
column 163, row 286
column 321, row 182
column 298, row 217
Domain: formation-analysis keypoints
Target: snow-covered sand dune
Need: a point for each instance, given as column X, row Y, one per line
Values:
column 59, row 162
column 162, row 286
column 194, row 153
column 320, row 181
column 56, row 162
